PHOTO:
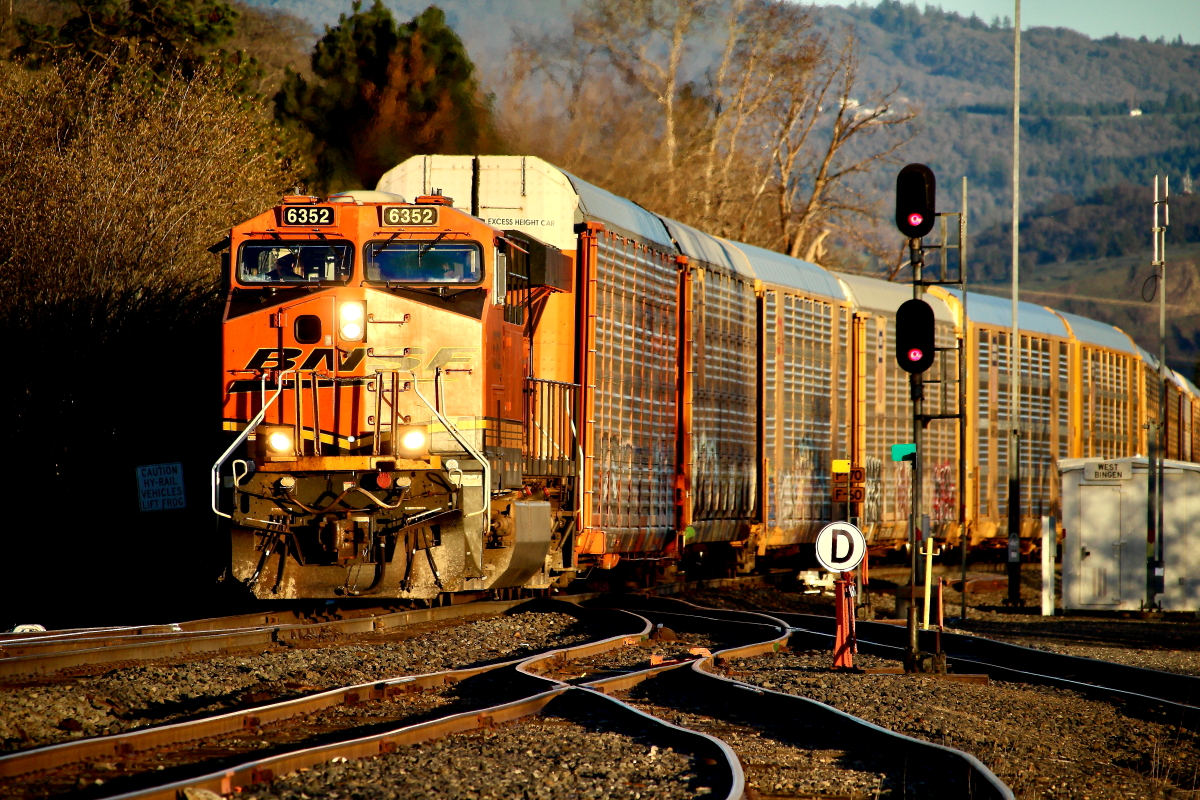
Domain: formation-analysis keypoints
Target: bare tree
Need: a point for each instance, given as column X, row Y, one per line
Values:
column 819, row 143
column 737, row 117
column 769, row 46
column 645, row 42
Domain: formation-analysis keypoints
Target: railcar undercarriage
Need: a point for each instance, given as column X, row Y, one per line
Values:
column 391, row 533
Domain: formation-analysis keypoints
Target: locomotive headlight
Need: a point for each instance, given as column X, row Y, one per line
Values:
column 279, row 442
column 412, row 441
column 351, row 321
column 276, row 442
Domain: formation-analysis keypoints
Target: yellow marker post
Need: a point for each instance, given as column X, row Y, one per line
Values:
column 841, row 465
column 928, row 578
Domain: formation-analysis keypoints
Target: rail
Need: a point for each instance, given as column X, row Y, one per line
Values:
column 982, row 782
column 185, row 643
column 1004, row 660
column 139, row 740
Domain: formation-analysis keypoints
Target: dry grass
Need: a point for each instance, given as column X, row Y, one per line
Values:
column 115, row 188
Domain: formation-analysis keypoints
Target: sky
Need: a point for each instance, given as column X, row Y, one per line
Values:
column 1096, row 18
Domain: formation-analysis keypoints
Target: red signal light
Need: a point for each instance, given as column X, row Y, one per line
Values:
column 915, row 206
column 915, row 355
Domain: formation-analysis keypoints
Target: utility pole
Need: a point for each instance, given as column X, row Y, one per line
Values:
column 1014, row 342
column 1155, row 444
column 965, row 542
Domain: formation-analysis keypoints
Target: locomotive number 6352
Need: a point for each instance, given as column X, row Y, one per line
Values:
column 409, row 215
column 308, row 215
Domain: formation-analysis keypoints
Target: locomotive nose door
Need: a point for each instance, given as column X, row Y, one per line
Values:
column 306, row 329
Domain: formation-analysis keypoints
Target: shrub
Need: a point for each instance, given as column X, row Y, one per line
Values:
column 114, row 189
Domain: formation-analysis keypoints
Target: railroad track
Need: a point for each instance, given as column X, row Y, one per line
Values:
column 1004, row 660
column 794, row 746
column 528, row 689
column 69, row 765
column 24, row 656
column 743, row 708
column 1047, row 724
column 33, row 654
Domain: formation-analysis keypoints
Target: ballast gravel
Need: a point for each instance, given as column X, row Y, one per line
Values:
column 156, row 693
column 1170, row 645
column 635, row 658
column 542, row 757
column 781, row 760
column 1042, row 742
column 1166, row 646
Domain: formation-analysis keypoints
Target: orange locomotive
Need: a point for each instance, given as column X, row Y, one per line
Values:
column 376, row 364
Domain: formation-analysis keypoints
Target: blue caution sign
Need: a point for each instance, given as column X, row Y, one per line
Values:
column 160, row 487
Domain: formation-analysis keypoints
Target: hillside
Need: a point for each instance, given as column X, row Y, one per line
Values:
column 1111, row 289
column 1077, row 135
column 1092, row 257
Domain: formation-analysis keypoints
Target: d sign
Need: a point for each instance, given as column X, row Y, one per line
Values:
column 840, row 547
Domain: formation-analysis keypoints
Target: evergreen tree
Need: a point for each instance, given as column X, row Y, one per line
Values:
column 383, row 93
column 168, row 35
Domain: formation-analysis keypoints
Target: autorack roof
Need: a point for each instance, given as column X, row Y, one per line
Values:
column 985, row 309
column 791, row 273
column 603, row 206
column 696, row 244
column 873, row 294
column 1089, row 331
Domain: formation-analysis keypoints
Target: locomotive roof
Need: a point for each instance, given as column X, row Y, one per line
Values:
column 874, row 294
column 1098, row 333
column 701, row 246
column 604, row 206
column 781, row 270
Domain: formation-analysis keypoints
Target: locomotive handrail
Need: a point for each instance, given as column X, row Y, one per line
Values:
column 549, row 442
column 254, row 423
column 453, row 431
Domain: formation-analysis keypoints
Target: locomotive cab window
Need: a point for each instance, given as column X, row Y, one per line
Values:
column 276, row 263
column 424, row 262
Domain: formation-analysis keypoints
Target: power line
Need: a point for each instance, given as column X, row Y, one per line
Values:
column 1083, row 298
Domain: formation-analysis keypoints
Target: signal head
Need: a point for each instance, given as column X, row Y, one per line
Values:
column 915, row 336
column 915, row 194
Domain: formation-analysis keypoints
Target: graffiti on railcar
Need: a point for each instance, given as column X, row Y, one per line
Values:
column 903, row 476
column 873, row 507
column 801, row 492
column 945, row 493
column 813, row 484
column 706, row 475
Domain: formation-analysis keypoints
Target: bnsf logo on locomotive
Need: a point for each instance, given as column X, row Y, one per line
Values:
column 449, row 359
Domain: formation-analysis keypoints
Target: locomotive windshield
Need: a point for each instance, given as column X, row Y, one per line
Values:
column 277, row 262
column 430, row 261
